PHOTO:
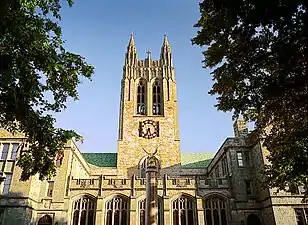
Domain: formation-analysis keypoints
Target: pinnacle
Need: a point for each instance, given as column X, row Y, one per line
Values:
column 166, row 42
column 131, row 41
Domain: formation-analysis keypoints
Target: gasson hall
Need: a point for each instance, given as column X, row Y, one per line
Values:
column 182, row 188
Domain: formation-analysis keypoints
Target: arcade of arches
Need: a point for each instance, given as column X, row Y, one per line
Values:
column 183, row 211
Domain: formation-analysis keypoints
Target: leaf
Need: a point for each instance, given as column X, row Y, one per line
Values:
column 258, row 52
column 34, row 62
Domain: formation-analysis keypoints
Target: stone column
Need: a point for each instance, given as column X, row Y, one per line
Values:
column 200, row 211
column 133, row 207
column 151, row 210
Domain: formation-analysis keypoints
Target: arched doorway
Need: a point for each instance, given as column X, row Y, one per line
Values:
column 45, row 220
column 253, row 219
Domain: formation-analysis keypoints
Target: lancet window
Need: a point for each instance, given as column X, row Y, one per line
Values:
column 83, row 211
column 143, row 167
column 117, row 211
column 141, row 98
column 156, row 96
column 183, row 211
column 215, row 211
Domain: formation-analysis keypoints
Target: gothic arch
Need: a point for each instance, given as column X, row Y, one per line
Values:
column 183, row 209
column 117, row 208
column 157, row 96
column 83, row 209
column 186, row 195
column 141, row 94
column 217, row 194
column 117, row 194
column 80, row 195
column 45, row 220
column 142, row 167
column 215, row 208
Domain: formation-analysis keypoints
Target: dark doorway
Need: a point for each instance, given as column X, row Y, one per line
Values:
column 253, row 219
column 45, row 220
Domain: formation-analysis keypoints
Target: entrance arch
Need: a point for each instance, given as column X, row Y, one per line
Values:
column 45, row 220
column 253, row 219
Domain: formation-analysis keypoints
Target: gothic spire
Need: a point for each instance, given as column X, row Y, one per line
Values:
column 131, row 40
column 165, row 54
column 131, row 54
column 166, row 42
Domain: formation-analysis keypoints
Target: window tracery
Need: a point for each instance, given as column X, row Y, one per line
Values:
column 83, row 211
column 156, row 97
column 215, row 211
column 141, row 98
column 117, row 211
column 183, row 211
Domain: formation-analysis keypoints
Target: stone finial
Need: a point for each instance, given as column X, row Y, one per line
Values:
column 166, row 42
column 240, row 128
column 149, row 54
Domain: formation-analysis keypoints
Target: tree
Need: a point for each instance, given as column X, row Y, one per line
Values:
column 34, row 65
column 258, row 51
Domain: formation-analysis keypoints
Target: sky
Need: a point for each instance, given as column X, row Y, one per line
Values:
column 100, row 30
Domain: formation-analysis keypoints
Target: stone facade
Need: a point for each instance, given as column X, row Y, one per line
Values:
column 109, row 188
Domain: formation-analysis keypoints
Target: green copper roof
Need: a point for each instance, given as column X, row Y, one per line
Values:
column 101, row 159
column 196, row 160
column 188, row 160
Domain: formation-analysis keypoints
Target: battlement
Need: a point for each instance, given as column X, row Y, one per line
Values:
column 135, row 183
column 148, row 63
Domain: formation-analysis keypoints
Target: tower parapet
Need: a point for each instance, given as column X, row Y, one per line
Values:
column 240, row 128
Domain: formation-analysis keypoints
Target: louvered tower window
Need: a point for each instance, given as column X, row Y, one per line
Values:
column 156, row 95
column 141, row 98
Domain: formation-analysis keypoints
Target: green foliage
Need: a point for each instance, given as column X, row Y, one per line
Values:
column 34, row 64
column 259, row 51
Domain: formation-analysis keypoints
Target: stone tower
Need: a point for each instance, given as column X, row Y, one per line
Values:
column 148, row 112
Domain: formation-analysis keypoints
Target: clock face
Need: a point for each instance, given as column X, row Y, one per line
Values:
column 148, row 129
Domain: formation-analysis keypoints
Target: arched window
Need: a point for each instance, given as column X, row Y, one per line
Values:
column 141, row 98
column 143, row 168
column 215, row 211
column 117, row 211
column 183, row 211
column 156, row 95
column 142, row 212
column 83, row 211
column 45, row 220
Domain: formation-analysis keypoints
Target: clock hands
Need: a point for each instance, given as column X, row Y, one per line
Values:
column 148, row 129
